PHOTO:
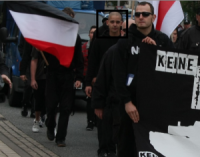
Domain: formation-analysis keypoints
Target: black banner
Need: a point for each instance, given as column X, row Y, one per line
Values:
column 168, row 99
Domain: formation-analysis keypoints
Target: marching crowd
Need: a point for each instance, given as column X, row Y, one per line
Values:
column 102, row 64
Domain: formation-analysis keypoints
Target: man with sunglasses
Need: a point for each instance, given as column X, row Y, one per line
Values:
column 190, row 39
column 125, row 68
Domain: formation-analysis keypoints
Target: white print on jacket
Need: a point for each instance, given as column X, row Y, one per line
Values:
column 180, row 141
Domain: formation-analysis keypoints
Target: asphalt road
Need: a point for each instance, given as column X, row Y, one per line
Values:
column 80, row 143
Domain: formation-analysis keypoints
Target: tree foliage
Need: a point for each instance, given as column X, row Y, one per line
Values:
column 190, row 7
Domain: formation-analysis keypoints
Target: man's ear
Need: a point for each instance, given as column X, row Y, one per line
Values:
column 154, row 17
column 107, row 22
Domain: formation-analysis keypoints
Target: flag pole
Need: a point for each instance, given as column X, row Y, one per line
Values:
column 44, row 58
column 133, row 4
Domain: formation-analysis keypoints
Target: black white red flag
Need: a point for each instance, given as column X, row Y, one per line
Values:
column 46, row 28
column 168, row 96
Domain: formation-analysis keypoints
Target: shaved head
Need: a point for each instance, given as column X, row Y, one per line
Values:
column 114, row 23
column 114, row 14
column 130, row 22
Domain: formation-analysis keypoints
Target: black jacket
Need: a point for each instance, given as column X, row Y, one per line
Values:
column 103, row 90
column 125, row 63
column 99, row 47
column 101, row 31
column 77, row 64
column 26, row 57
column 190, row 39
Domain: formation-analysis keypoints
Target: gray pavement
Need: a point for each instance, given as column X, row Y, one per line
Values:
column 17, row 138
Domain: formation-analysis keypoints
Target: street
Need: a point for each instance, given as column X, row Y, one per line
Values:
column 79, row 141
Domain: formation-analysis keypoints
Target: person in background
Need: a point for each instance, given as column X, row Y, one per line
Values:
column 100, row 46
column 25, row 76
column 174, row 37
column 60, row 90
column 186, row 25
column 123, row 30
column 90, row 110
column 190, row 39
column 104, row 93
column 38, row 82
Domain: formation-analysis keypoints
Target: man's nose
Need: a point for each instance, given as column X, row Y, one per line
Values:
column 141, row 16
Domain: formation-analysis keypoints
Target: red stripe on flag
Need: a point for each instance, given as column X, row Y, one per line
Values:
column 163, row 8
column 63, row 53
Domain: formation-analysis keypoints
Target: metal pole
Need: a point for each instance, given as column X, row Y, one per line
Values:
column 133, row 4
column 118, row 3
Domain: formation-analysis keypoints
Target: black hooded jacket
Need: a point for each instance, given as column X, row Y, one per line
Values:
column 190, row 39
column 104, row 92
column 125, row 64
column 99, row 47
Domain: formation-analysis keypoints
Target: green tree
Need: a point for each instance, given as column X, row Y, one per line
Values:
column 190, row 7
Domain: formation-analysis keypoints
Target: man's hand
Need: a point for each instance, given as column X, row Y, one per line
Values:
column 34, row 84
column 94, row 80
column 23, row 77
column 88, row 90
column 7, row 80
column 148, row 40
column 78, row 84
column 99, row 113
column 131, row 110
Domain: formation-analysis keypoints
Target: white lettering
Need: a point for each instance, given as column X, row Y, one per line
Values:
column 182, row 63
column 170, row 62
column 135, row 51
column 160, row 64
column 176, row 63
column 192, row 65
column 147, row 154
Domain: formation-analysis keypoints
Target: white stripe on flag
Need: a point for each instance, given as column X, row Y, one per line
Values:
column 172, row 19
column 155, row 5
column 46, row 29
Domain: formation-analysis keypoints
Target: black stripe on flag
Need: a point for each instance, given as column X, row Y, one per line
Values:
column 38, row 8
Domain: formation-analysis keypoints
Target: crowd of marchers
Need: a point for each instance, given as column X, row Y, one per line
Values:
column 102, row 66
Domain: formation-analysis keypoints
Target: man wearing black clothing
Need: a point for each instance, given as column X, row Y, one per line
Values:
column 60, row 90
column 99, row 47
column 104, row 93
column 190, row 39
column 125, row 65
column 26, row 49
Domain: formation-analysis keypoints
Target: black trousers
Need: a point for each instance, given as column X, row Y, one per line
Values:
column 28, row 96
column 39, row 95
column 59, row 90
column 106, row 131
column 27, row 93
column 126, row 144
column 90, row 111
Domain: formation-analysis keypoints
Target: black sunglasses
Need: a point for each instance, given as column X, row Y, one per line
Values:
column 144, row 14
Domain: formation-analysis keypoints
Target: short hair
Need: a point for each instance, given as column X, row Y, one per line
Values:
column 147, row 3
column 116, row 14
column 69, row 11
column 92, row 28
